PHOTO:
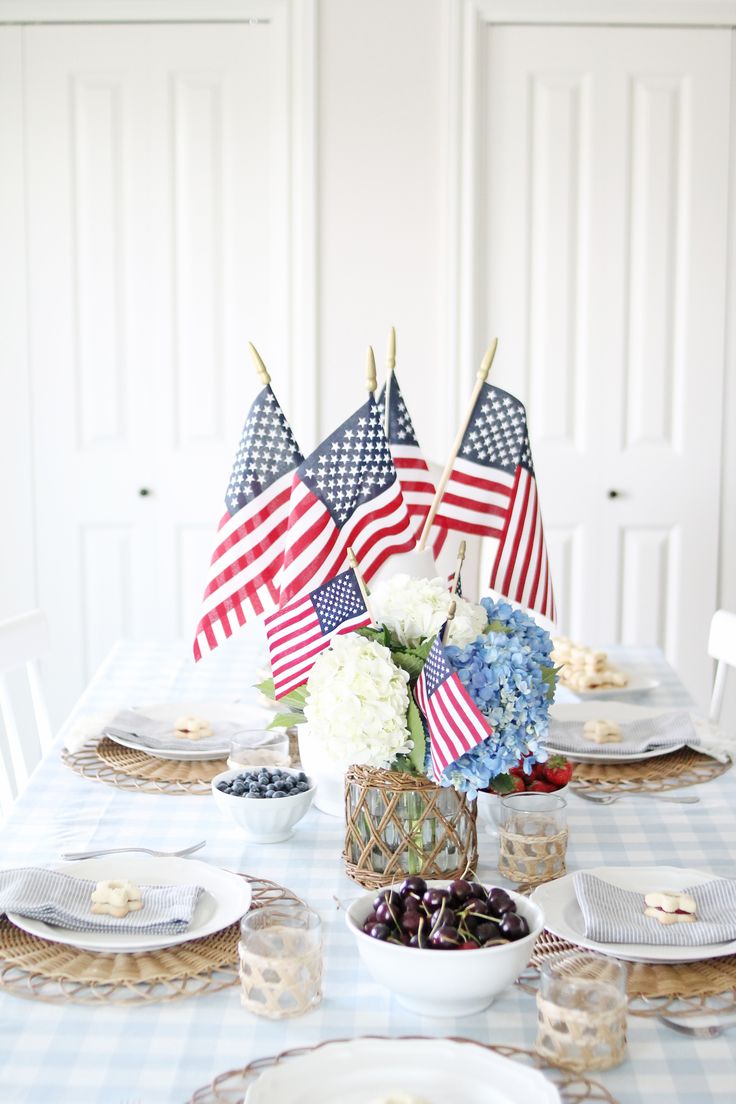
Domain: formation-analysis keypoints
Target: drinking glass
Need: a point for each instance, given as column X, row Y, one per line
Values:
column 532, row 837
column 581, row 1011
column 259, row 748
column 280, row 953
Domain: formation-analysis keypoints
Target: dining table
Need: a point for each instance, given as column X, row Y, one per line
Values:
column 163, row 1052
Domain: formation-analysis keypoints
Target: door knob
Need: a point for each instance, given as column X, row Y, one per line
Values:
column 144, row 492
column 611, row 494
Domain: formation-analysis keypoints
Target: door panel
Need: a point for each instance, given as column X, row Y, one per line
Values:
column 156, row 188
column 605, row 203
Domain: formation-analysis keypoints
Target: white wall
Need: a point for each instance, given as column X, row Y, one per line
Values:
column 382, row 249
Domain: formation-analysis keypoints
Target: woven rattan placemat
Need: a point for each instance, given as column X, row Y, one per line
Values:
column 664, row 772
column 37, row 969
column 686, row 988
column 129, row 769
column 230, row 1087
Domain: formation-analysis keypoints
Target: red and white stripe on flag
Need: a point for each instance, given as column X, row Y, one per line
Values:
column 295, row 640
column 416, row 482
column 247, row 557
column 316, row 546
column 456, row 725
column 476, row 499
column 521, row 569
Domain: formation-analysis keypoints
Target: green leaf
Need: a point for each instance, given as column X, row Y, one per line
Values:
column 296, row 699
column 503, row 784
column 416, row 727
column 549, row 675
column 497, row 626
column 410, row 662
column 286, row 720
column 267, row 688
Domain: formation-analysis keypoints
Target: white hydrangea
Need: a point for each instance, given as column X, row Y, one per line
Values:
column 357, row 702
column 415, row 609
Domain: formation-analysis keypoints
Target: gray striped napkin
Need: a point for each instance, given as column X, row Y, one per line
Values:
column 665, row 731
column 65, row 902
column 160, row 735
column 614, row 915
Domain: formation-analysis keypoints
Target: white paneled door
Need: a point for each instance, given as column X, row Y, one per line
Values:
column 156, row 204
column 604, row 207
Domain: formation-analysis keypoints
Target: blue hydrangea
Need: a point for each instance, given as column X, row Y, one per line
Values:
column 502, row 672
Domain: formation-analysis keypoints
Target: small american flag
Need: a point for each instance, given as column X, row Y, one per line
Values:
column 492, row 492
column 416, row 482
column 345, row 494
column 250, row 538
column 455, row 723
column 300, row 631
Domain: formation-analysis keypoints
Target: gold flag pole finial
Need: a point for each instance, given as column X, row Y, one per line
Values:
column 450, row 614
column 370, row 370
column 458, row 567
column 391, row 350
column 480, row 379
column 261, row 369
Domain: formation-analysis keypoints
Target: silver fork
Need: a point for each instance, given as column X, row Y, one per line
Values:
column 711, row 1032
column 70, row 855
column 608, row 799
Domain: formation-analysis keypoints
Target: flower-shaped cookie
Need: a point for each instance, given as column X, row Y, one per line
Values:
column 116, row 898
column 670, row 908
column 192, row 728
column 602, row 732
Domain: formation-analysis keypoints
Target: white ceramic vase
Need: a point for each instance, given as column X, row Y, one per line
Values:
column 327, row 776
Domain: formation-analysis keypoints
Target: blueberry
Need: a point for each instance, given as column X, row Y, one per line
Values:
column 254, row 787
column 278, row 793
column 222, row 786
column 302, row 776
column 250, row 793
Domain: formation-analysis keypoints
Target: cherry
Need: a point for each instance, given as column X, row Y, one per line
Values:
column 514, row 926
column 442, row 917
column 380, row 931
column 413, row 887
column 386, row 914
column 488, row 930
column 500, row 902
column 433, row 898
column 446, row 938
column 460, row 891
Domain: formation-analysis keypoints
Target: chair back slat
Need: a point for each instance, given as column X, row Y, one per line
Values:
column 722, row 647
column 12, row 736
column 23, row 640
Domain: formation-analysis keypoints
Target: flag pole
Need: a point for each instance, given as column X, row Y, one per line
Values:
column 450, row 614
column 480, row 379
column 370, row 371
column 261, row 369
column 353, row 561
column 390, row 365
column 458, row 567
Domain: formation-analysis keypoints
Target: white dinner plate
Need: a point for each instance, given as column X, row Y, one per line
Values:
column 617, row 711
column 217, row 713
column 225, row 899
column 563, row 916
column 363, row 1071
column 637, row 684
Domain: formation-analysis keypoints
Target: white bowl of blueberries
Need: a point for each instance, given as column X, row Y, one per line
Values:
column 265, row 803
column 444, row 948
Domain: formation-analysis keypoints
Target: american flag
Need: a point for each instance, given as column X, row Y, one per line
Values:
column 455, row 723
column 300, row 631
column 250, row 537
column 345, row 494
column 492, row 492
column 416, row 482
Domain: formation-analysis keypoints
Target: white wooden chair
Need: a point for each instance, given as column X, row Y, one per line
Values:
column 722, row 647
column 22, row 640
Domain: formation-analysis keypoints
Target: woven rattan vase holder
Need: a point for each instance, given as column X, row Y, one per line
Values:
column 398, row 824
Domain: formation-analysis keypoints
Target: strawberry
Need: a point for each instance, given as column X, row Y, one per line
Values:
column 537, row 786
column 517, row 772
column 557, row 771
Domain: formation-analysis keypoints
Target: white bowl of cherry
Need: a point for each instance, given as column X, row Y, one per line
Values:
column 445, row 948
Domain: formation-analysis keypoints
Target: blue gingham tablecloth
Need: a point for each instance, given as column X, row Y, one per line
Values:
column 67, row 1053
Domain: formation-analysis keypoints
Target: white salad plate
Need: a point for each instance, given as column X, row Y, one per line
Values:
column 637, row 684
column 225, row 899
column 617, row 711
column 217, row 713
column 364, row 1071
column 564, row 918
